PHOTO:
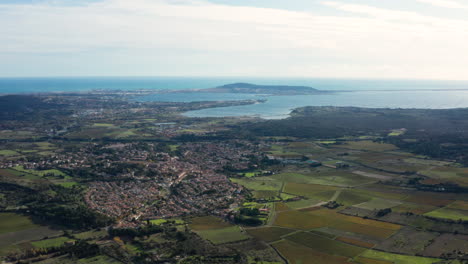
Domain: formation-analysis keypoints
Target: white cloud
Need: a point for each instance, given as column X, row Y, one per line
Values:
column 191, row 37
column 445, row 3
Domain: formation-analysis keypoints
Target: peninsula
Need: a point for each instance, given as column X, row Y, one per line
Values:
column 248, row 88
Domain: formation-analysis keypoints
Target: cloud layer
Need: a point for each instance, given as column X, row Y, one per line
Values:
column 192, row 37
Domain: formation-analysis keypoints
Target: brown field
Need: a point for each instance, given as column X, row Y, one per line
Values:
column 414, row 208
column 447, row 243
column 407, row 241
column 355, row 242
column 325, row 245
column 428, row 199
column 298, row 254
column 306, row 220
column 335, row 215
column 207, row 222
column 279, row 207
column 300, row 220
column 460, row 205
column 371, row 228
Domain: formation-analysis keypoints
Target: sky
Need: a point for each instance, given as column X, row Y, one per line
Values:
column 395, row 39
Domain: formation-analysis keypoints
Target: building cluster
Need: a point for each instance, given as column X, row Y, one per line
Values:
column 134, row 182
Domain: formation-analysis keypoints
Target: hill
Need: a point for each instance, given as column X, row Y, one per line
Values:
column 262, row 89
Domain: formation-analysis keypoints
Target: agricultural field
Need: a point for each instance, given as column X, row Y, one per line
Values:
column 448, row 174
column 325, row 245
column 368, row 146
column 408, row 241
column 269, row 234
column 52, row 242
column 308, row 190
column 207, row 223
column 325, row 176
column 223, row 235
column 163, row 221
column 299, row 254
column 378, row 203
column 396, row 258
column 10, row 222
column 259, row 183
column 6, row 152
column 449, row 213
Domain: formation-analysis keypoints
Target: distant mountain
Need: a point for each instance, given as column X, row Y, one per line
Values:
column 249, row 88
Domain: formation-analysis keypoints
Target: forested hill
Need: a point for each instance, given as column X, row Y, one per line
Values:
column 263, row 89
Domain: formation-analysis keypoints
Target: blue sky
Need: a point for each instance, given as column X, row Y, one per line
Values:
column 423, row 39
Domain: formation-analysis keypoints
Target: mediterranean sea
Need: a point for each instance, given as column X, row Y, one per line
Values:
column 348, row 92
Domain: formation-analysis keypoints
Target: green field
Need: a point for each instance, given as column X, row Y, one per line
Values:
column 352, row 197
column 259, row 183
column 90, row 234
column 269, row 234
column 163, row 221
column 11, row 222
column 448, row 213
column 53, row 242
column 6, row 152
column 324, row 177
column 303, row 203
column 40, row 173
column 223, row 235
column 398, row 259
column 103, row 125
column 307, row 190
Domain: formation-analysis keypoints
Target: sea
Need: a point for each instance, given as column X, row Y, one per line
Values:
column 427, row 94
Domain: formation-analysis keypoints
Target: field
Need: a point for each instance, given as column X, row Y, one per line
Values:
column 259, row 183
column 448, row 213
column 53, row 242
column 223, row 235
column 307, row 190
column 10, row 222
column 447, row 243
column 162, row 221
column 325, row 245
column 299, row 220
column 413, row 208
column 299, row 254
column 6, row 152
column 207, row 223
column 397, row 259
column 324, row 176
column 355, row 242
column 40, row 173
column 269, row 234
column 351, row 197
column 90, row 234
column 407, row 241
column 13, row 240
column 368, row 145
column 377, row 204
column 307, row 220
column 445, row 173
